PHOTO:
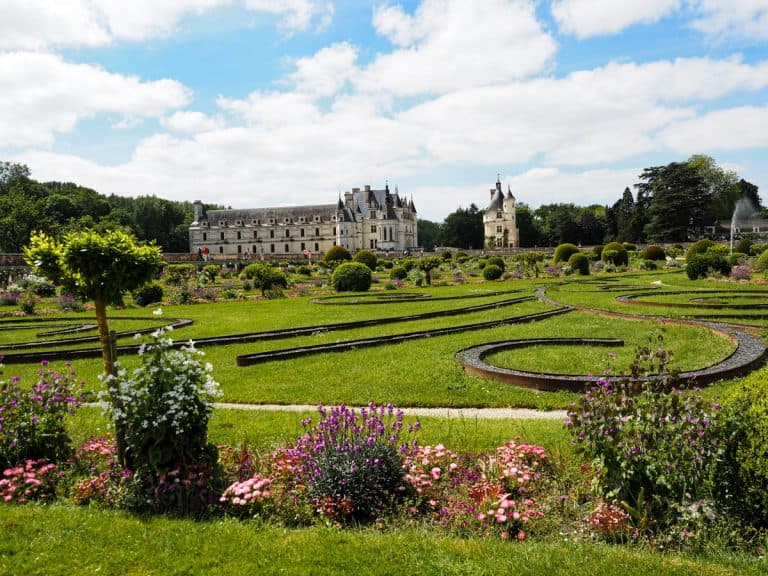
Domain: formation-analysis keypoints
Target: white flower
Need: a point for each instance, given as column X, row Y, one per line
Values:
column 158, row 312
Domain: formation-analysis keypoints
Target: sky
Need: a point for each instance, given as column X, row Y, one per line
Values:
column 258, row 103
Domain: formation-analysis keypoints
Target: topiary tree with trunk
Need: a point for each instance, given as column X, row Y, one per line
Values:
column 99, row 267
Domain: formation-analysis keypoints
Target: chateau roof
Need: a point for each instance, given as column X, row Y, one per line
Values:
column 279, row 214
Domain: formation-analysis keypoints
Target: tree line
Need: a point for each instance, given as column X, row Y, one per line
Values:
column 27, row 205
column 677, row 202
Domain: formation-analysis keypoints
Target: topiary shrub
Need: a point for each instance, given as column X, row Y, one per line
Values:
column 757, row 249
column 743, row 246
column 337, row 254
column 579, row 263
column 366, row 257
column 702, row 265
column 151, row 293
column 654, row 253
column 351, row 277
column 492, row 272
column 496, row 261
column 744, row 471
column 647, row 265
column 409, row 264
column 264, row 276
column 446, row 255
column 629, row 246
column 615, row 253
column 210, row 272
column 398, row 273
column 719, row 249
column 564, row 251
column 761, row 265
column 698, row 248
column 597, row 250
column 304, row 270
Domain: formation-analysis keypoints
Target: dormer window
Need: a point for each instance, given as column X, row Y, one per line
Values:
column 287, row 220
column 498, row 214
column 222, row 223
column 373, row 213
column 302, row 219
column 317, row 218
column 238, row 222
column 255, row 222
column 271, row 220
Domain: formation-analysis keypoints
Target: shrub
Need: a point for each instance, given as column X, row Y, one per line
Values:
column 164, row 405
column 699, row 247
column 151, row 293
column 719, row 249
column 336, row 254
column 529, row 258
column 744, row 470
column 737, row 258
column 399, row 273
column 38, row 286
column 351, row 277
column 629, row 246
column 579, row 263
column 28, row 303
column 176, row 274
column 446, row 255
column 69, row 303
column 409, row 264
column 366, row 257
column 703, row 265
column 564, row 251
column 647, row 265
column 32, row 426
column 742, row 272
column 615, row 253
column 654, row 253
column 496, row 261
column 597, row 250
column 9, row 297
column 757, row 249
column 304, row 270
column 353, row 462
column 656, row 447
column 492, row 272
column 34, row 480
column 761, row 265
column 743, row 246
column 265, row 276
column 209, row 273
column 387, row 264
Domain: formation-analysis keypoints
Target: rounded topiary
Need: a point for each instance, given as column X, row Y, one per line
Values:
column 698, row 248
column 351, row 277
column 743, row 246
column 579, row 263
column 151, row 293
column 654, row 253
column 496, row 261
column 366, row 257
column 409, row 264
column 615, row 253
column 398, row 273
column 597, row 250
column 757, row 249
column 564, row 251
column 629, row 246
column 304, row 270
column 337, row 254
column 761, row 265
column 446, row 255
column 743, row 478
column 701, row 265
column 492, row 272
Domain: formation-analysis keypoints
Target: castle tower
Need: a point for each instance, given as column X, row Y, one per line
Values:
column 500, row 220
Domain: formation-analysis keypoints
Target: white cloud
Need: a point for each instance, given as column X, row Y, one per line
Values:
column 730, row 129
column 42, row 94
column 273, row 108
column 25, row 25
column 733, row 18
column 452, row 44
column 587, row 18
column 325, row 72
column 191, row 122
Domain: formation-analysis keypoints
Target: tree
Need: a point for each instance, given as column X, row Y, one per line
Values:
column 530, row 234
column 677, row 196
column 96, row 267
column 428, row 264
column 265, row 276
column 463, row 228
column 625, row 218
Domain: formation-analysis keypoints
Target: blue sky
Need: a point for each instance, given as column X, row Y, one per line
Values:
column 252, row 103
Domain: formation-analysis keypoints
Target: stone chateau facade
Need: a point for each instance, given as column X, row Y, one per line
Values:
column 499, row 220
column 372, row 219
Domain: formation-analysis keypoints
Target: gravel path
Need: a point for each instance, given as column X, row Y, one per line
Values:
column 458, row 413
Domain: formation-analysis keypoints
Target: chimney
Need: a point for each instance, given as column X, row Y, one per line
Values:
column 198, row 210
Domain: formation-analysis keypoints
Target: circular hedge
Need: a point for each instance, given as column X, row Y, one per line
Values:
column 351, row 277
column 366, row 257
column 615, row 253
column 579, row 263
column 398, row 273
column 654, row 253
column 151, row 293
column 564, row 251
column 337, row 254
column 698, row 248
column 496, row 261
column 492, row 272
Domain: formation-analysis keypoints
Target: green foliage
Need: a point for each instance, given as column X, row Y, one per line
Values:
column 399, row 273
column 351, row 277
column 703, row 265
column 597, row 251
column 492, row 272
column 337, row 254
column 629, row 246
column 761, row 265
column 744, row 470
column 654, row 253
column 496, row 261
column 615, row 253
column 164, row 406
column 265, row 276
column 564, row 251
column 647, row 265
column 38, row 286
column 178, row 274
column 28, row 303
column 304, row 270
column 366, row 257
column 744, row 245
column 737, row 258
column 446, row 255
column 699, row 248
column 529, row 259
column 656, row 446
column 151, row 293
column 409, row 264
column 579, row 263
column 209, row 273
column 757, row 249
column 32, row 422
column 720, row 249
column 427, row 264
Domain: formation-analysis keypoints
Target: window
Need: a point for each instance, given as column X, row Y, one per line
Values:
column 498, row 214
column 317, row 231
column 238, row 222
column 239, row 235
column 253, row 248
column 302, row 219
column 286, row 249
column 221, row 249
column 301, row 232
column 317, row 218
column 255, row 222
column 287, row 233
column 221, row 235
column 272, row 248
column 498, row 229
column 334, row 230
column 239, row 249
column 287, row 220
column 222, row 223
column 255, row 233
column 373, row 228
column 303, row 247
column 317, row 247
column 271, row 233
column 271, row 220
column 205, row 236
column 373, row 213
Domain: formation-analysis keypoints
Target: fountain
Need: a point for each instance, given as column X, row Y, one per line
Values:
column 743, row 209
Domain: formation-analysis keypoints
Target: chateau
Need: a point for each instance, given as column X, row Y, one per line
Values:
column 373, row 219
column 499, row 221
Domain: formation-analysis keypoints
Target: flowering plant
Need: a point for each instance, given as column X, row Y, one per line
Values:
column 164, row 405
column 34, row 480
column 32, row 421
